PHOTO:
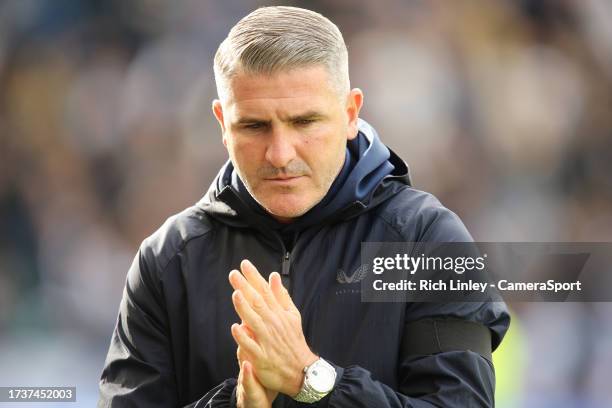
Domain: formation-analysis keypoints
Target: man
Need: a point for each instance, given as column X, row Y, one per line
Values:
column 306, row 184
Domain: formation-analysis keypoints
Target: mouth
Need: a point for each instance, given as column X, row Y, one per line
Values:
column 284, row 179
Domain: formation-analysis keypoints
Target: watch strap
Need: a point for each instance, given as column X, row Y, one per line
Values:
column 307, row 393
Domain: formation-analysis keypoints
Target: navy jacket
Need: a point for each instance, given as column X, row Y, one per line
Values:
column 172, row 345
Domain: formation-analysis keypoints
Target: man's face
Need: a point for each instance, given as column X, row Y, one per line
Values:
column 286, row 135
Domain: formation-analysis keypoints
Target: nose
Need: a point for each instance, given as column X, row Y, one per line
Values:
column 280, row 151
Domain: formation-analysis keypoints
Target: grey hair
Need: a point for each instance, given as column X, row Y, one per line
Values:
column 273, row 39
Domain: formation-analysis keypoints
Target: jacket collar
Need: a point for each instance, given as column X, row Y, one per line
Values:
column 362, row 187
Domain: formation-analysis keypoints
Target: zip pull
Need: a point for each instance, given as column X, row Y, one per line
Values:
column 286, row 264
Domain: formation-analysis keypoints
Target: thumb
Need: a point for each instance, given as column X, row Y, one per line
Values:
column 249, row 381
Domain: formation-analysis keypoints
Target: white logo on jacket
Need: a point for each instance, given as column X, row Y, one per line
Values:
column 357, row 276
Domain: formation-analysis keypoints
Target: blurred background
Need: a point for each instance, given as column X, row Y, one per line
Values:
column 503, row 109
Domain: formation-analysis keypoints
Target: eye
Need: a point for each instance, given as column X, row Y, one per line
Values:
column 304, row 122
column 254, row 126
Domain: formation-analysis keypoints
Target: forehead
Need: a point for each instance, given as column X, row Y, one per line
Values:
column 304, row 88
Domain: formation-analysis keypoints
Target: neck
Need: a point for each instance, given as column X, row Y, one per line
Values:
column 282, row 220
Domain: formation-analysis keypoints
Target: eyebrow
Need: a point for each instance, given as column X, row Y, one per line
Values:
column 309, row 115
column 247, row 119
column 306, row 115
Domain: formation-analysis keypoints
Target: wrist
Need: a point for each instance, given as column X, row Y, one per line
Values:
column 298, row 378
column 319, row 381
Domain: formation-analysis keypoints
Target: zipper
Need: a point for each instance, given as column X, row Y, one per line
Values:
column 285, row 268
column 286, row 262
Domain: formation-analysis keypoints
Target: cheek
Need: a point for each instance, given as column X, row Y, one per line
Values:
column 248, row 158
column 242, row 150
column 327, row 159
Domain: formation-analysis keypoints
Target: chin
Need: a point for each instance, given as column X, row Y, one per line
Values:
column 288, row 206
column 288, row 212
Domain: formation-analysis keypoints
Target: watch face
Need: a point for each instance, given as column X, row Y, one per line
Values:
column 321, row 377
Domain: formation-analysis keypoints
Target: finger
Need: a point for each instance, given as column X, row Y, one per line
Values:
column 240, row 387
column 252, row 295
column 248, row 330
column 248, row 315
column 249, row 382
column 264, row 304
column 239, row 282
column 235, row 278
column 248, row 346
column 252, row 274
column 240, row 355
column 280, row 293
column 253, row 314
column 257, row 281
column 240, row 374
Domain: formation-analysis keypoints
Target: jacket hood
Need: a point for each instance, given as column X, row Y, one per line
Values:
column 363, row 183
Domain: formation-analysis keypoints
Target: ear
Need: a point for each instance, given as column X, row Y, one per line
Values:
column 353, row 106
column 217, row 109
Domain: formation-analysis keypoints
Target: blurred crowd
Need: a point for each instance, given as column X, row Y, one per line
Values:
column 502, row 109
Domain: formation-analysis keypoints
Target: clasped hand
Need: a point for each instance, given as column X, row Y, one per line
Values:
column 272, row 351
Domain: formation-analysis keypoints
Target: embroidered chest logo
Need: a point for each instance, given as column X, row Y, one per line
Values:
column 357, row 276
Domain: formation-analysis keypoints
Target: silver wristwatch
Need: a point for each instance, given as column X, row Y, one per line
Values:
column 319, row 380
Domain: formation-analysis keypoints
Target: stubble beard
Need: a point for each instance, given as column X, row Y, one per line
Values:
column 327, row 182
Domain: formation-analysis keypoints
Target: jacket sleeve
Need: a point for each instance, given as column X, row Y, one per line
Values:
column 451, row 379
column 139, row 369
column 448, row 378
